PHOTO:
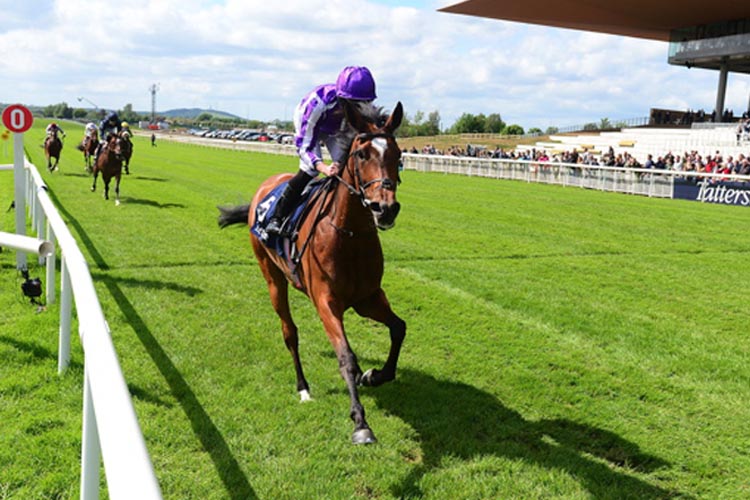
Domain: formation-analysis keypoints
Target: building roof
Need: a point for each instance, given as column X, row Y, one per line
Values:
column 651, row 19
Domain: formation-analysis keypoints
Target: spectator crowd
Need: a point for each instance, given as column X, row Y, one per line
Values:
column 688, row 161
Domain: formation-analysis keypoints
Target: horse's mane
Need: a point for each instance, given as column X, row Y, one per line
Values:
column 370, row 113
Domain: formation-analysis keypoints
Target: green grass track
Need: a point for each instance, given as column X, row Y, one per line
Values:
column 561, row 343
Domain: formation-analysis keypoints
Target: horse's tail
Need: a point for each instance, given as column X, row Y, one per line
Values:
column 233, row 215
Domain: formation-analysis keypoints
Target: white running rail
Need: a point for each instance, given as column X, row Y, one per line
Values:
column 110, row 427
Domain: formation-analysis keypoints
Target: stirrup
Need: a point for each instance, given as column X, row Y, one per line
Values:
column 274, row 226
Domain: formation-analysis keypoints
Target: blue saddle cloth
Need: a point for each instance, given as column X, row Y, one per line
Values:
column 266, row 208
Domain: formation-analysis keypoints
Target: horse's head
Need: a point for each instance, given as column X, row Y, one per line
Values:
column 114, row 144
column 371, row 170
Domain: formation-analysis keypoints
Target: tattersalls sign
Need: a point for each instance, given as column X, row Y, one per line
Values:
column 727, row 193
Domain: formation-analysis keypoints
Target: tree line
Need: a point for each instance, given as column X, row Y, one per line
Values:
column 203, row 120
column 420, row 124
column 467, row 123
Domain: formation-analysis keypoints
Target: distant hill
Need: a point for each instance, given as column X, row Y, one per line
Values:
column 195, row 112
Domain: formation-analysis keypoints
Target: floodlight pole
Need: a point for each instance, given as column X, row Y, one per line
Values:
column 153, row 89
column 84, row 99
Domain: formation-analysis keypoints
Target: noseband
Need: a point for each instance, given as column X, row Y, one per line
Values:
column 385, row 182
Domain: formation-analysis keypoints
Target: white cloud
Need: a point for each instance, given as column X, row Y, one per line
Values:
column 257, row 58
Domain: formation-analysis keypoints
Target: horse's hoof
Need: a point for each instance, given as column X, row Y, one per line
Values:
column 93, row 189
column 368, row 378
column 304, row 396
column 363, row 436
column 117, row 203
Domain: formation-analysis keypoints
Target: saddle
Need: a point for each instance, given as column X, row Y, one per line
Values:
column 284, row 244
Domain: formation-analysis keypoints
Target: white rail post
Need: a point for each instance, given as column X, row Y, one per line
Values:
column 51, row 262
column 19, row 180
column 90, row 447
column 63, row 355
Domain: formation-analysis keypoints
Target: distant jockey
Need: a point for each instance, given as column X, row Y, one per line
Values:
column 53, row 129
column 126, row 128
column 111, row 124
column 91, row 130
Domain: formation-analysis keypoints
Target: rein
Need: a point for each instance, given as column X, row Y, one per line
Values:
column 385, row 182
column 328, row 188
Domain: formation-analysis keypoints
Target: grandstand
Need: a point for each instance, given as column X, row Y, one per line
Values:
column 641, row 141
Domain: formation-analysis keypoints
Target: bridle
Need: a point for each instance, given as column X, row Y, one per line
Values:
column 385, row 182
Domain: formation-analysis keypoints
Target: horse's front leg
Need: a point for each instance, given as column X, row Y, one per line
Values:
column 377, row 307
column 93, row 186
column 117, row 190
column 332, row 318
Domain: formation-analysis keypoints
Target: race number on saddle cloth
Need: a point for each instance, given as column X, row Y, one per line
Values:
column 265, row 210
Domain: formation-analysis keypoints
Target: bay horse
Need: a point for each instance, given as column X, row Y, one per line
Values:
column 109, row 164
column 127, row 149
column 52, row 147
column 88, row 147
column 341, row 261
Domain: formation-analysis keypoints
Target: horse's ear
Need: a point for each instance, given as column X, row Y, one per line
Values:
column 353, row 116
column 394, row 121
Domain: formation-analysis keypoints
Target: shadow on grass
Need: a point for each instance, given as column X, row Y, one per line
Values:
column 77, row 174
column 190, row 291
column 227, row 467
column 150, row 203
column 83, row 237
column 453, row 419
column 152, row 179
column 35, row 350
column 231, row 474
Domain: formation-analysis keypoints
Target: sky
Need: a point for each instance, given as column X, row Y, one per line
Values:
column 256, row 59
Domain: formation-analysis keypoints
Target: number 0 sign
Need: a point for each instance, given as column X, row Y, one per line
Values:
column 17, row 118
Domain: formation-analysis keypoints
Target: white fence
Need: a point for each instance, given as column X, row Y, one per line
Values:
column 110, row 427
column 646, row 182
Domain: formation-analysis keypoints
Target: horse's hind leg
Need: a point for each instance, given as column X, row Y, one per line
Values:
column 378, row 308
column 278, row 289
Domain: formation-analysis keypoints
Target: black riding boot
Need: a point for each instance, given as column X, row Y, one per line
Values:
column 98, row 152
column 287, row 201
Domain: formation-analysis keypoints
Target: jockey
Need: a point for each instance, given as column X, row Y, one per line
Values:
column 110, row 124
column 319, row 116
column 126, row 128
column 53, row 128
column 91, row 130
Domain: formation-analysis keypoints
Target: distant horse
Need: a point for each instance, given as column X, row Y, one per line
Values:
column 127, row 149
column 341, row 261
column 52, row 148
column 109, row 164
column 88, row 147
